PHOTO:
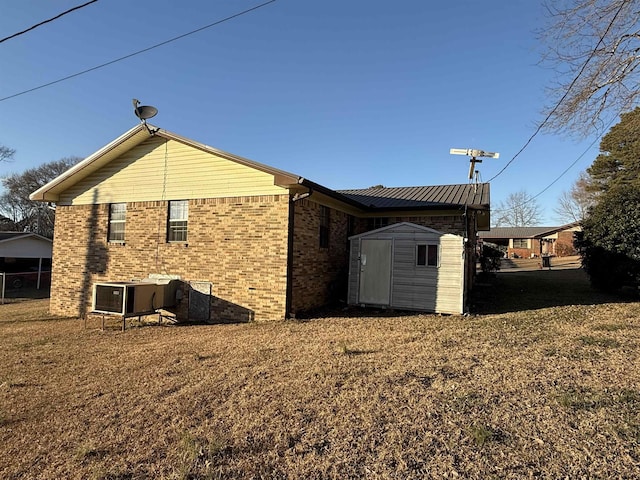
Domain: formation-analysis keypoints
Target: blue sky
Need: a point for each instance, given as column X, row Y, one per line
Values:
column 346, row 93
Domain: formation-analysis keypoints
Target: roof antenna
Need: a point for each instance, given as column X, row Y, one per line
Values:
column 143, row 112
column 469, row 152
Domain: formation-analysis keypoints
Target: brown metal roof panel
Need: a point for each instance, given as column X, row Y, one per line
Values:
column 438, row 196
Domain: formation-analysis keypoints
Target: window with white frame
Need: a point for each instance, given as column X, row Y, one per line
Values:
column 427, row 255
column 520, row 243
column 178, row 219
column 117, row 222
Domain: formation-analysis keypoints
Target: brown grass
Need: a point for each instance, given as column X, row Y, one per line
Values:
column 551, row 393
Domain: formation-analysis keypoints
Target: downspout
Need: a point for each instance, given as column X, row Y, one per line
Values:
column 290, row 245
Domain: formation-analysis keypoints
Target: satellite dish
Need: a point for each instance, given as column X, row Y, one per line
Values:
column 144, row 112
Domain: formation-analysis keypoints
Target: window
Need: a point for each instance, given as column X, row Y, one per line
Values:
column 117, row 221
column 427, row 255
column 324, row 226
column 178, row 216
column 520, row 243
column 378, row 222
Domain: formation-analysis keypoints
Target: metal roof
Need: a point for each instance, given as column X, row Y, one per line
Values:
column 437, row 196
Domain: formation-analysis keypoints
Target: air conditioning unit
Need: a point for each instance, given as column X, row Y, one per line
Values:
column 125, row 298
column 135, row 298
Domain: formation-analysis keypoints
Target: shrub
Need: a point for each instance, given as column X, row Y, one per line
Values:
column 564, row 250
column 490, row 259
column 610, row 240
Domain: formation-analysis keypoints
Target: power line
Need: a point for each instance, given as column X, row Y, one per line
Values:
column 565, row 170
column 573, row 82
column 46, row 21
column 576, row 160
column 138, row 52
column 531, row 199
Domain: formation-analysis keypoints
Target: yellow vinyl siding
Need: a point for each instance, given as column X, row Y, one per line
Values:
column 160, row 169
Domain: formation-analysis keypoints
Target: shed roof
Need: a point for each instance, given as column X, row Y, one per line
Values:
column 412, row 226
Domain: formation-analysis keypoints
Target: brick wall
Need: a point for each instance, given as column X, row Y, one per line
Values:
column 237, row 244
column 564, row 244
column 319, row 275
column 443, row 223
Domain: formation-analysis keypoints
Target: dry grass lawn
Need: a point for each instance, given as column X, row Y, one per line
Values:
column 548, row 392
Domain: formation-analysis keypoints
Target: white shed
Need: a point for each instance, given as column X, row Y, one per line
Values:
column 408, row 266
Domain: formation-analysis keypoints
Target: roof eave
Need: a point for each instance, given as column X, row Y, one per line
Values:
column 330, row 193
column 26, row 235
column 431, row 206
column 51, row 191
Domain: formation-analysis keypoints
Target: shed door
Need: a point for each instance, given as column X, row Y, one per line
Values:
column 375, row 272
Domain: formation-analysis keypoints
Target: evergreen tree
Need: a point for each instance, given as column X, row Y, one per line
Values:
column 610, row 240
column 618, row 163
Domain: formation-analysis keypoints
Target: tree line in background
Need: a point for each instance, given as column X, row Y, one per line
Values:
column 17, row 212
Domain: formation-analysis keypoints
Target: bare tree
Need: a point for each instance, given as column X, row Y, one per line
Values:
column 22, row 214
column 6, row 153
column 594, row 46
column 574, row 205
column 519, row 210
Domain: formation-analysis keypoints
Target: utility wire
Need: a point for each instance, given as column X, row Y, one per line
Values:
column 573, row 82
column 46, row 21
column 574, row 162
column 139, row 51
column 565, row 171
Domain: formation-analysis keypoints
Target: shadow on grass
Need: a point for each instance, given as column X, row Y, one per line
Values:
column 530, row 290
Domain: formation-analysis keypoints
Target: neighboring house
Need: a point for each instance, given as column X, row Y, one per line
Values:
column 528, row 242
column 266, row 244
column 24, row 257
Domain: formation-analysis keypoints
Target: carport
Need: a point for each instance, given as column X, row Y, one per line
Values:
column 22, row 245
